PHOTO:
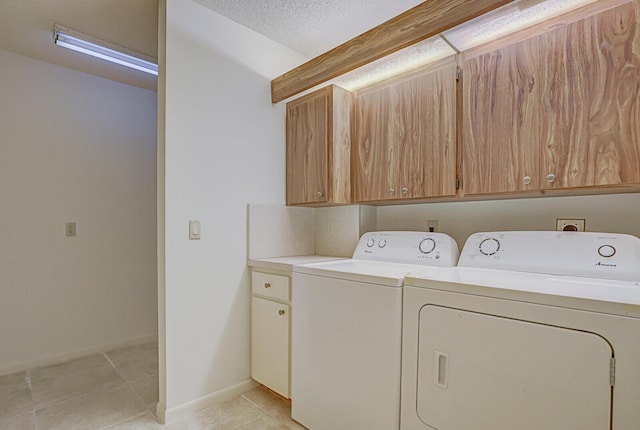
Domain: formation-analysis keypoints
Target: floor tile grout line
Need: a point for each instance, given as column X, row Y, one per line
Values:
column 129, row 384
column 104, row 354
column 27, row 379
column 256, row 404
column 124, row 421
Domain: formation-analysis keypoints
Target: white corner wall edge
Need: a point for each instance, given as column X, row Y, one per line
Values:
column 72, row 355
column 168, row 415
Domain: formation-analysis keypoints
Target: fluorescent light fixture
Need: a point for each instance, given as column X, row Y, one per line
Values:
column 76, row 41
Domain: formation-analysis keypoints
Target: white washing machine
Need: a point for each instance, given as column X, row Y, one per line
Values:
column 532, row 330
column 347, row 328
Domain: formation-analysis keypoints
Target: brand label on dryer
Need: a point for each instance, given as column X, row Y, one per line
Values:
column 599, row 263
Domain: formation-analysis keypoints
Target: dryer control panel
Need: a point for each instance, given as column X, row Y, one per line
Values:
column 409, row 247
column 592, row 255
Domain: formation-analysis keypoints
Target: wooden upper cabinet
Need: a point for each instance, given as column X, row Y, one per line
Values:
column 590, row 91
column 318, row 148
column 501, row 120
column 405, row 137
column 557, row 111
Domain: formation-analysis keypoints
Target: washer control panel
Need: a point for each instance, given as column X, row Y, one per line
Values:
column 593, row 255
column 409, row 247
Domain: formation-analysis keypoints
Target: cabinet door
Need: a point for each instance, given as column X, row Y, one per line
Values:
column 426, row 118
column 590, row 107
column 307, row 148
column 270, row 344
column 501, row 121
column 375, row 152
column 405, row 138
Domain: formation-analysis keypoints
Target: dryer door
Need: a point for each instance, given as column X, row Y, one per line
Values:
column 485, row 372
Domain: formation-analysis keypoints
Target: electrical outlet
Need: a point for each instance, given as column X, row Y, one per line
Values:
column 570, row 224
column 70, row 229
column 432, row 225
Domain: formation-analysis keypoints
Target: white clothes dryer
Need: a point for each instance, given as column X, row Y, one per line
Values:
column 532, row 330
column 347, row 328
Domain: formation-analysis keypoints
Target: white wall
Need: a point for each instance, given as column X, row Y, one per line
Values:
column 615, row 213
column 74, row 147
column 224, row 146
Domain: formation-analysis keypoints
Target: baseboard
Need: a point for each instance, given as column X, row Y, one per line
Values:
column 169, row 415
column 72, row 355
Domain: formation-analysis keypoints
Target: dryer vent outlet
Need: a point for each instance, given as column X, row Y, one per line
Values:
column 570, row 224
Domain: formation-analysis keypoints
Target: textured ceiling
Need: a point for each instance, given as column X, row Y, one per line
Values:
column 26, row 27
column 310, row 27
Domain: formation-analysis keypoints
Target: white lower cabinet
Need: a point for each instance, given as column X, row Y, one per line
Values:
column 270, row 331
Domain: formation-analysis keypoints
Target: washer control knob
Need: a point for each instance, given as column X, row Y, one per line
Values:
column 427, row 245
column 489, row 246
column 371, row 242
column 382, row 243
column 607, row 251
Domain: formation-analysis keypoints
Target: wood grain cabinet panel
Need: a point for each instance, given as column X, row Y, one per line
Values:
column 590, row 91
column 557, row 111
column 318, row 148
column 405, row 138
column 501, row 117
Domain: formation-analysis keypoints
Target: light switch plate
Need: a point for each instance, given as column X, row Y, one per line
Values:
column 194, row 229
column 70, row 229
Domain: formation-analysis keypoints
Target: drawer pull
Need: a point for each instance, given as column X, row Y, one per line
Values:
column 267, row 285
column 281, row 312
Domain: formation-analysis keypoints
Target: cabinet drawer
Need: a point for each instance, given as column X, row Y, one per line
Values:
column 270, row 285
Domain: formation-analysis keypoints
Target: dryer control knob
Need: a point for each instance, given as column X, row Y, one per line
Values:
column 382, row 243
column 607, row 251
column 427, row 245
column 371, row 242
column 489, row 246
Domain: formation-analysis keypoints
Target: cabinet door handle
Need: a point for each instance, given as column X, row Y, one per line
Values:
column 526, row 180
column 405, row 190
column 392, row 191
column 281, row 312
column 551, row 178
column 267, row 285
column 319, row 194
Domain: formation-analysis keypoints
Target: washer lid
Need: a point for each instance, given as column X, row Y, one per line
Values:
column 371, row 272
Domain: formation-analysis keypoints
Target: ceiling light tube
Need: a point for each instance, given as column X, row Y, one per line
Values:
column 71, row 39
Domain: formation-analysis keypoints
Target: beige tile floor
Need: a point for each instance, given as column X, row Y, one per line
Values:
column 119, row 390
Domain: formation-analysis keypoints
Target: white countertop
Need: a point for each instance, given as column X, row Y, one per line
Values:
column 285, row 264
